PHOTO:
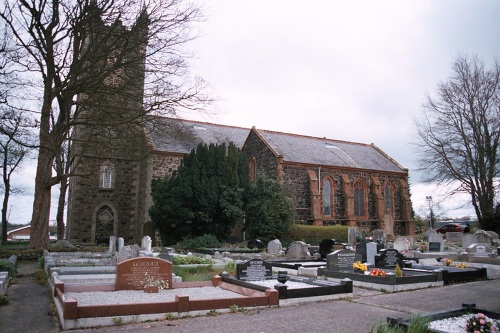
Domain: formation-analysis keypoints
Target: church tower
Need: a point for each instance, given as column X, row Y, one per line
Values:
column 106, row 190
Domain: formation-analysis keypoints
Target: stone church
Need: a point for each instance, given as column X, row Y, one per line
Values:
column 330, row 181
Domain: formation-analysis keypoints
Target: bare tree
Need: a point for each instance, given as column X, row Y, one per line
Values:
column 12, row 154
column 81, row 55
column 459, row 135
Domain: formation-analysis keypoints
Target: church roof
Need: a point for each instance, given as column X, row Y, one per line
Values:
column 181, row 136
column 172, row 135
column 323, row 151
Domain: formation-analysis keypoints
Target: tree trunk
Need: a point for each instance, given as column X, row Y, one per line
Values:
column 4, row 213
column 39, row 236
column 60, row 209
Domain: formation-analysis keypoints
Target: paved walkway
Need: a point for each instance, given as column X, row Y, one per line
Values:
column 30, row 307
column 30, row 310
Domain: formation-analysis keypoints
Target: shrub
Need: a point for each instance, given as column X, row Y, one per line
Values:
column 205, row 241
column 315, row 234
column 191, row 260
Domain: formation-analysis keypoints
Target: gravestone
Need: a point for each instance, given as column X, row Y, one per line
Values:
column 468, row 240
column 361, row 249
column 483, row 237
column 166, row 253
column 352, row 235
column 436, row 243
column 479, row 250
column 402, row 244
column 131, row 274
column 454, row 237
column 372, row 249
column 325, row 247
column 379, row 236
column 389, row 258
column 127, row 252
column 274, row 247
column 298, row 250
column 429, row 232
column 492, row 234
column 112, row 244
column 255, row 244
column 342, row 260
column 120, row 243
column 146, row 244
column 254, row 270
column 388, row 224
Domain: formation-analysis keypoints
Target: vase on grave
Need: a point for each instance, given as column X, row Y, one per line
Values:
column 151, row 289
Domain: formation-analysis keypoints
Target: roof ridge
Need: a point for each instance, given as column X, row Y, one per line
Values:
column 315, row 137
column 203, row 122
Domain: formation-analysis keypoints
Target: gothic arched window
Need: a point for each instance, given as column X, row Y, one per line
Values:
column 388, row 196
column 359, row 198
column 328, row 197
column 252, row 169
column 107, row 177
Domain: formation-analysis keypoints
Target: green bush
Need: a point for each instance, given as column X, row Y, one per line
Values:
column 315, row 234
column 205, row 241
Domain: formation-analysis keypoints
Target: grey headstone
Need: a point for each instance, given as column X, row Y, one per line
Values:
column 120, row 243
column 112, row 244
column 483, row 237
column 454, row 237
column 146, row 244
column 352, row 235
column 436, row 243
column 166, row 253
column 298, row 250
column 468, row 240
column 217, row 255
column 128, row 252
column 429, row 232
column 274, row 247
column 402, row 244
column 371, row 251
column 492, row 234
column 342, row 260
column 379, row 235
column 479, row 250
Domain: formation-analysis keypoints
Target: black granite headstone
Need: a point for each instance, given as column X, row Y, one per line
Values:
column 254, row 270
column 342, row 260
column 255, row 244
column 389, row 258
column 434, row 246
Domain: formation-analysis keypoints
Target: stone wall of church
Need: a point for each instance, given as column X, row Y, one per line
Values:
column 88, row 198
column 266, row 161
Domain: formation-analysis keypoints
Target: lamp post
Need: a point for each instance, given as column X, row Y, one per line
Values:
column 429, row 202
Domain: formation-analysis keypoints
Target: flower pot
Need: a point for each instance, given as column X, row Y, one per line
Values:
column 151, row 289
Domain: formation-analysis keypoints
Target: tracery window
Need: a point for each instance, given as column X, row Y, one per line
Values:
column 106, row 177
column 328, row 197
column 359, row 198
column 388, row 196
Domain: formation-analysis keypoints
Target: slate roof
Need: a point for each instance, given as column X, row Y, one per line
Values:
column 181, row 136
column 172, row 135
column 323, row 151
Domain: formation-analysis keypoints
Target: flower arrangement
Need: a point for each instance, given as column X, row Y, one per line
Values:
column 358, row 266
column 377, row 272
column 153, row 283
column 461, row 265
column 479, row 323
column 447, row 262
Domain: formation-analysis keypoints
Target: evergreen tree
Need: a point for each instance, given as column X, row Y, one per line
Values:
column 204, row 196
column 269, row 213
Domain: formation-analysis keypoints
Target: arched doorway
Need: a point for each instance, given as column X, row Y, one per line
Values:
column 104, row 224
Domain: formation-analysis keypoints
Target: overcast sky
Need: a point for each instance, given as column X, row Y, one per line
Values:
column 349, row 70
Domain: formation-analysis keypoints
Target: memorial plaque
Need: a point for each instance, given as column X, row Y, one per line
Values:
column 254, row 270
column 434, row 247
column 131, row 273
column 342, row 260
column 389, row 258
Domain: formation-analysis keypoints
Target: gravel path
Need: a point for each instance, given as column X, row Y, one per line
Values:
column 139, row 296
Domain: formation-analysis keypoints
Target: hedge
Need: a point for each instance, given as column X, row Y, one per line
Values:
column 313, row 235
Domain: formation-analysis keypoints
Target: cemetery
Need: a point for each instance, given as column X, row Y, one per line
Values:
column 137, row 283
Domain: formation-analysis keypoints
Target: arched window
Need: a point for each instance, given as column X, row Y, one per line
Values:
column 359, row 198
column 106, row 177
column 252, row 169
column 388, row 196
column 328, row 197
